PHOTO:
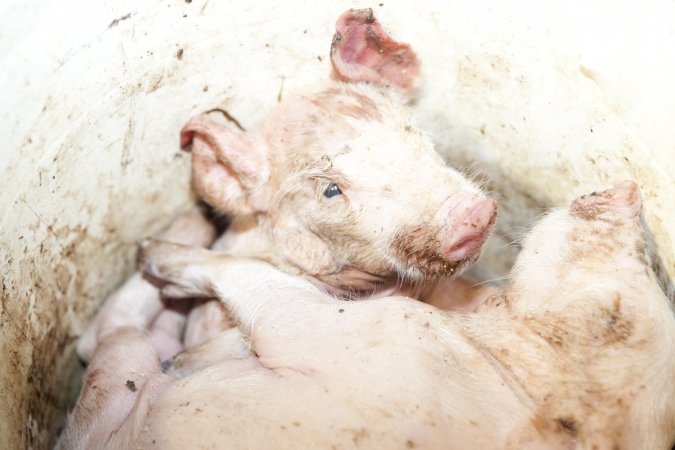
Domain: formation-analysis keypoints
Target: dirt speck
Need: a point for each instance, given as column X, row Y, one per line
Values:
column 359, row 436
column 179, row 54
column 281, row 90
column 587, row 73
column 567, row 424
column 115, row 22
column 131, row 385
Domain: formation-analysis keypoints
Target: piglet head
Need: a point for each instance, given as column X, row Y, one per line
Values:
column 345, row 189
column 368, row 184
column 341, row 186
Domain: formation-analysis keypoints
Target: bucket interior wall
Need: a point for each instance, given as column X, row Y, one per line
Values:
column 542, row 102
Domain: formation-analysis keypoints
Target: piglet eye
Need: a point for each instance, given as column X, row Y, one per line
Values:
column 332, row 191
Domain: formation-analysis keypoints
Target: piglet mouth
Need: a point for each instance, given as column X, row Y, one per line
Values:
column 418, row 255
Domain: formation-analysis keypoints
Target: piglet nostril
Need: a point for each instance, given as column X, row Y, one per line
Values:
column 469, row 221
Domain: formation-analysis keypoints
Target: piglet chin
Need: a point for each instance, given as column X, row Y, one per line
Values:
column 469, row 222
column 353, row 282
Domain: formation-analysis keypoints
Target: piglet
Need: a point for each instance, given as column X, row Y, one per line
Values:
column 339, row 185
column 576, row 352
column 342, row 188
column 578, row 349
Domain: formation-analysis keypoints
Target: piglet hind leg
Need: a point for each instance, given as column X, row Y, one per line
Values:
column 226, row 345
column 597, row 243
column 124, row 375
column 623, row 201
column 596, row 335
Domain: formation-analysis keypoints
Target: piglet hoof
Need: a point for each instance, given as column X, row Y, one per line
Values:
column 149, row 252
column 622, row 200
column 174, row 269
column 173, row 366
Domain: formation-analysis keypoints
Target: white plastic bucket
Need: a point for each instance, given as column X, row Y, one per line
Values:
column 549, row 99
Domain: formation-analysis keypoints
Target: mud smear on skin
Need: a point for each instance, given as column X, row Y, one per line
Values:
column 574, row 400
column 347, row 103
column 419, row 247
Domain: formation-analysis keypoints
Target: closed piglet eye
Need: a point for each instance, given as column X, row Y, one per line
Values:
column 332, row 190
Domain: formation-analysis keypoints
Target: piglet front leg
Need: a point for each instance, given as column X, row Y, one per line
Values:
column 269, row 305
column 210, row 336
column 179, row 271
column 206, row 321
column 191, row 272
column 227, row 345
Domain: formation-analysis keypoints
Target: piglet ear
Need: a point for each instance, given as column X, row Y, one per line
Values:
column 362, row 51
column 228, row 165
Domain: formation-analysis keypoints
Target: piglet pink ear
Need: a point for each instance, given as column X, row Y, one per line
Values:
column 228, row 165
column 362, row 51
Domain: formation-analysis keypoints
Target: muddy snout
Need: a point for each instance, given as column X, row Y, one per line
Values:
column 448, row 243
column 467, row 223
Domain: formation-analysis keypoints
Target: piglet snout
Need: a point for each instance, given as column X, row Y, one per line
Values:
column 468, row 220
